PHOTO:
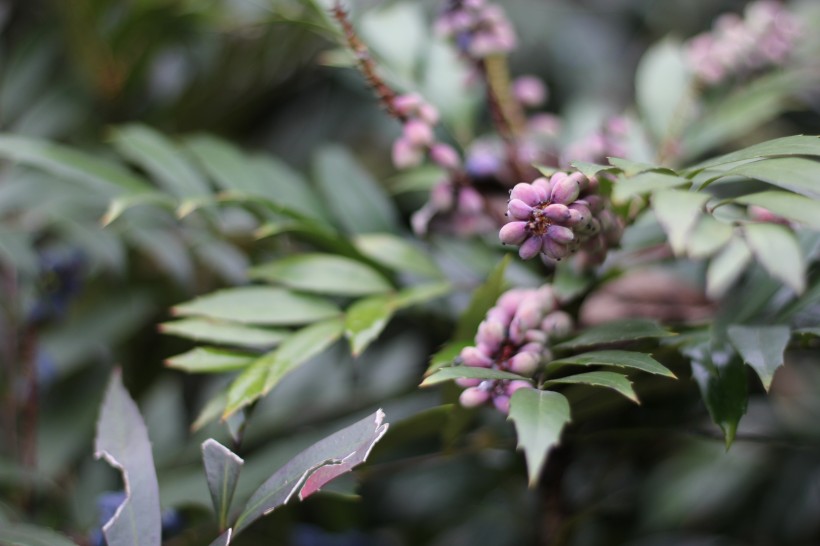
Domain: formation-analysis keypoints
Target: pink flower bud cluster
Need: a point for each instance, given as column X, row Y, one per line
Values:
column 462, row 206
column 736, row 46
column 609, row 141
column 417, row 137
column 514, row 337
column 479, row 29
column 559, row 216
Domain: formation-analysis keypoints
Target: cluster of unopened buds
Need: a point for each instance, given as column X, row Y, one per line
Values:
column 418, row 138
column 737, row 45
column 462, row 206
column 515, row 336
column 609, row 141
column 479, row 29
column 559, row 216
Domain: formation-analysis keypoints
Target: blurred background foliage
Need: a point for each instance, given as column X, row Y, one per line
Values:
column 268, row 77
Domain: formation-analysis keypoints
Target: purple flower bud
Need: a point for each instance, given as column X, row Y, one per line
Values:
column 472, row 397
column 530, row 248
column 519, row 210
column 594, row 202
column 587, row 229
column 525, row 363
column 502, row 403
column 560, row 234
column 499, row 314
column 528, row 315
column 491, row 333
column 513, row 233
column 428, row 113
column 557, row 212
column 535, row 336
column 441, row 196
column 467, row 382
column 565, row 191
column 470, row 201
column 473, row 357
column 517, row 384
column 526, row 193
column 418, row 133
column 407, row 104
column 444, row 155
column 543, row 186
column 581, row 178
column 529, row 91
column 584, row 215
column 557, row 324
column 405, row 154
column 544, row 124
column 555, row 250
column 532, row 347
column 511, row 299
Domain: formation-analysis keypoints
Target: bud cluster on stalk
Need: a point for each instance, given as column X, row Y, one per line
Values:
column 560, row 216
column 418, row 138
column 479, row 29
column 515, row 336
column 736, row 46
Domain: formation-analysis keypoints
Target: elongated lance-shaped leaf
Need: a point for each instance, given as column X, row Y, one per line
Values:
column 122, row 440
column 343, row 449
column 761, row 347
column 791, row 145
column 210, row 360
column 611, row 380
column 618, row 331
column 323, row 274
column 222, row 467
column 678, row 212
column 777, row 250
column 224, row 539
column 539, row 418
column 228, row 333
column 457, row 372
column 620, row 359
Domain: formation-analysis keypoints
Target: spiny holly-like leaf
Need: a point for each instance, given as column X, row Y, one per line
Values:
column 539, row 418
column 323, row 274
column 678, row 212
column 457, row 372
column 786, row 204
column 610, row 380
column 761, row 347
column 620, row 359
column 222, row 467
column 259, row 305
column 614, row 332
column 122, row 440
column 342, row 450
column 226, row 333
column 21, row 534
column 776, row 248
column 483, row 299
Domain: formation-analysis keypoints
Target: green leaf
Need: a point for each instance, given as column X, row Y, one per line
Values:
column 621, row 359
column 776, row 248
column 366, row 319
column 323, row 274
column 723, row 387
column 356, row 199
column 708, row 237
column 222, row 467
column 615, row 332
column 336, row 454
column 210, row 360
column 396, row 253
column 223, row 540
column 630, row 168
column 726, row 267
column 678, row 212
column 122, row 440
column 259, row 305
column 398, row 33
column 626, row 188
column 484, row 297
column 786, row 146
column 160, row 157
column 568, row 283
column 788, row 205
column 809, row 331
column 21, row 534
column 662, row 81
column 223, row 332
column 446, row 355
column 266, row 372
column 75, row 165
column 457, row 372
column 213, row 409
column 610, row 380
column 421, row 293
column 289, row 188
column 588, row 169
column 227, row 166
column 792, row 173
column 539, row 417
column 761, row 347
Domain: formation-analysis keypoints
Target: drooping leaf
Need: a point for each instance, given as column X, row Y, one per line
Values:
column 708, row 237
column 290, row 188
column 323, row 274
column 160, row 157
column 662, row 81
column 484, row 297
column 722, row 383
column 122, row 440
column 366, row 319
column 120, row 205
column 786, row 204
column 761, row 347
column 776, row 248
column 626, row 188
column 265, row 372
column 222, row 467
column 678, row 212
column 610, row 380
column 726, row 267
column 785, row 146
column 457, row 372
column 618, row 331
column 22, row 534
column 620, row 359
column 223, row 332
column 396, row 253
column 355, row 198
column 227, row 166
column 210, row 360
column 343, row 450
column 796, row 174
column 259, row 305
column 539, row 418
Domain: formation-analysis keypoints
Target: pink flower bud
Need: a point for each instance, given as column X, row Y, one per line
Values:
column 525, row 363
column 405, row 154
column 470, row 201
column 529, row 90
column 543, row 186
column 418, row 132
column 441, row 196
column 502, row 403
column 444, row 155
column 517, row 384
column 491, row 333
column 467, row 382
column 474, row 358
column 499, row 314
column 511, row 299
column 535, row 336
column 582, row 213
column 530, row 248
column 528, row 315
column 519, row 210
column 555, row 250
column 407, row 104
column 513, row 233
column 428, row 113
column 532, row 347
column 473, row 397
column 565, row 191
column 557, row 324
column 526, row 193
column 594, row 202
column 557, row 212
column 581, row 178
column 560, row 234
